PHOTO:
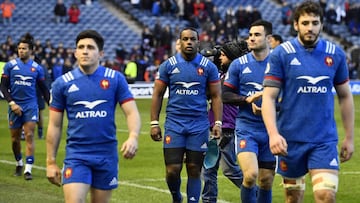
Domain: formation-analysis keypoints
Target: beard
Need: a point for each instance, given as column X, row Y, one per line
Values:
column 309, row 41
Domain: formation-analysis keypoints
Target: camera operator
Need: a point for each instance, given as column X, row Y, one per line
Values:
column 222, row 152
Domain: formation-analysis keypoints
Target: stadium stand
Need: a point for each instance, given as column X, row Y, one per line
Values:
column 36, row 17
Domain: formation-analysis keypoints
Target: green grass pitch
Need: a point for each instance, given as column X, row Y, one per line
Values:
column 142, row 179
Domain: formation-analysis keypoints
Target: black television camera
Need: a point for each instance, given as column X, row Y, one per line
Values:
column 213, row 54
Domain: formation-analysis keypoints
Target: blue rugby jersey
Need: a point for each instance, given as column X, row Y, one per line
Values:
column 187, row 82
column 23, row 78
column 245, row 75
column 90, row 102
column 307, row 78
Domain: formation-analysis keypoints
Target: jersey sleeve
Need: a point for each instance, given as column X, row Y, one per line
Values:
column 232, row 76
column 57, row 97
column 123, row 91
column 213, row 73
column 342, row 73
column 163, row 73
column 274, row 69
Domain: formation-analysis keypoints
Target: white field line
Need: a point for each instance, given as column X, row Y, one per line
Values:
column 126, row 183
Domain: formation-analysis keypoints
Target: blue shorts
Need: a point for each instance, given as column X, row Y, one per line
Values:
column 186, row 133
column 304, row 156
column 28, row 115
column 99, row 172
column 256, row 141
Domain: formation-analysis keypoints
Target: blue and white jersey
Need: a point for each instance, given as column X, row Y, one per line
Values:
column 306, row 78
column 187, row 82
column 23, row 78
column 90, row 102
column 245, row 76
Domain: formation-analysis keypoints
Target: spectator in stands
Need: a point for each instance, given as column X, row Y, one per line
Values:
column 4, row 52
column 135, row 3
column 156, row 8
column 60, row 12
column 240, row 16
column 256, row 14
column 131, row 70
column 120, row 53
column 275, row 41
column 12, row 45
column 286, row 13
column 248, row 16
column 199, row 12
column 229, row 15
column 147, row 34
column 341, row 14
column 166, row 38
column 74, row 13
column 355, row 57
column 156, row 31
column 353, row 74
column 188, row 10
column 330, row 15
column 150, row 71
column 323, row 5
column 215, row 14
column 7, row 8
column 354, row 19
column 180, row 4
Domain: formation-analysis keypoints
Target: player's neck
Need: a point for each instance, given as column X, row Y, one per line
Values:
column 88, row 70
column 188, row 57
column 24, row 60
column 260, row 55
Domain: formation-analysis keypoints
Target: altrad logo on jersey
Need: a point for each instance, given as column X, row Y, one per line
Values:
column 90, row 105
column 23, row 80
column 313, row 88
column 185, row 90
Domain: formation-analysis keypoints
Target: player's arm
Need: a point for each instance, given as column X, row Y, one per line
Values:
column 44, row 90
column 157, row 99
column 346, row 103
column 230, row 96
column 53, row 137
column 156, row 104
column 217, row 107
column 278, row 145
column 5, row 86
column 130, row 146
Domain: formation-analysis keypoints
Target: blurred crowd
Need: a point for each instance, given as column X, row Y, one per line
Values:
column 140, row 63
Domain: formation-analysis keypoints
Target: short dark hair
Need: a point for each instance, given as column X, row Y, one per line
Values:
column 189, row 28
column 27, row 38
column 277, row 38
column 308, row 7
column 266, row 24
column 99, row 40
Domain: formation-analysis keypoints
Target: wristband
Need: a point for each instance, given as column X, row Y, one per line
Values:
column 218, row 123
column 11, row 103
column 154, row 123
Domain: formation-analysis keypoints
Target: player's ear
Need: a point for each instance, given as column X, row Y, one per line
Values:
column 101, row 53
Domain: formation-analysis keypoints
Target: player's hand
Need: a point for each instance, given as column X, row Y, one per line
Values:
column 347, row 150
column 216, row 132
column 254, row 97
column 278, row 145
column 256, row 110
column 16, row 109
column 155, row 133
column 129, row 148
column 53, row 174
